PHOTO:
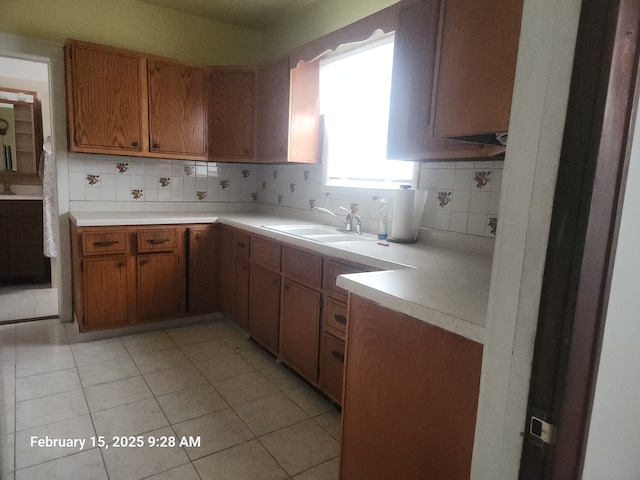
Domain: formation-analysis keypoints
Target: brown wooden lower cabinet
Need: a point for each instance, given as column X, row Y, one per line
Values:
column 124, row 275
column 264, row 307
column 300, row 328
column 241, row 292
column 410, row 398
column 106, row 292
column 332, row 367
column 226, row 270
column 159, row 286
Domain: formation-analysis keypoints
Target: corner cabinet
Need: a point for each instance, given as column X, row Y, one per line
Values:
column 125, row 103
column 414, row 385
column 448, row 103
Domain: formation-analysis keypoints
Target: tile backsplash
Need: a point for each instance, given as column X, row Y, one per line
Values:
column 104, row 178
column 463, row 196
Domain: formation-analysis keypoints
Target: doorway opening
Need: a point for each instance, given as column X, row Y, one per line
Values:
column 28, row 276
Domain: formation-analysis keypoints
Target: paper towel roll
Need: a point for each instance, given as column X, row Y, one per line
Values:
column 408, row 205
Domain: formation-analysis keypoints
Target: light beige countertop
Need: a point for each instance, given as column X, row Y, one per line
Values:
column 444, row 287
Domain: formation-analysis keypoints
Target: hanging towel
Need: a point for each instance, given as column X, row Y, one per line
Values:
column 48, row 201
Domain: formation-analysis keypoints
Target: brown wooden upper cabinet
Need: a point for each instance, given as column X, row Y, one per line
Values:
column 177, row 109
column 124, row 103
column 272, row 115
column 232, row 114
column 453, row 74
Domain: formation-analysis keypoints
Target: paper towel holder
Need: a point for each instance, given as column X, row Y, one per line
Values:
column 412, row 216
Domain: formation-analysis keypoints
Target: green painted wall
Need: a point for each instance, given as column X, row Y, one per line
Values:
column 132, row 25
column 314, row 21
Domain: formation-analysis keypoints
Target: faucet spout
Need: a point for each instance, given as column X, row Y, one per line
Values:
column 329, row 212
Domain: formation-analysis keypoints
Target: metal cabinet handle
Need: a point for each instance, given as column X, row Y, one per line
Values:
column 105, row 243
column 338, row 355
column 157, row 241
column 340, row 319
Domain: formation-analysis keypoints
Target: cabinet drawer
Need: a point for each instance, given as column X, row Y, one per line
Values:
column 302, row 266
column 332, row 270
column 266, row 253
column 241, row 244
column 335, row 317
column 103, row 243
column 157, row 240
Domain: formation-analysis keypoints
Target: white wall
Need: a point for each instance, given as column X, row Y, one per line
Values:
column 613, row 443
column 538, row 112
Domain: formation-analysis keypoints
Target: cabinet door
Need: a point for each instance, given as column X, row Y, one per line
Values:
column 413, row 88
column 415, row 386
column 177, row 109
column 226, row 271
column 264, row 307
column 272, row 117
column 304, row 113
column 106, row 293
column 232, row 108
column 241, row 292
column 477, row 70
column 300, row 328
column 204, row 267
column 104, row 97
column 159, row 286
column 332, row 367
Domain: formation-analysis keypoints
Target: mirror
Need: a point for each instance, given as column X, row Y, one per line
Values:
column 20, row 132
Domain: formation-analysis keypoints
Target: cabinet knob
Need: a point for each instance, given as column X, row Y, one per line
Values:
column 121, row 264
column 144, row 261
column 156, row 145
column 338, row 355
column 246, row 151
column 135, row 144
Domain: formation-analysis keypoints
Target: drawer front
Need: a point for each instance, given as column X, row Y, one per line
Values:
column 333, row 269
column 266, row 253
column 302, row 266
column 158, row 240
column 335, row 317
column 104, row 243
column 241, row 244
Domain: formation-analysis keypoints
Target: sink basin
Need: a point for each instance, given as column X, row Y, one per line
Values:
column 322, row 233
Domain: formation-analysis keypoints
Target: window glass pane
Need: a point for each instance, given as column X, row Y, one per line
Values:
column 354, row 99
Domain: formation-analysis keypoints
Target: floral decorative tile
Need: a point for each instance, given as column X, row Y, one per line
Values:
column 264, row 185
column 354, row 208
column 136, row 193
column 307, row 175
column 444, row 198
column 188, row 170
column 254, row 197
column 224, row 184
column 201, row 195
column 292, row 187
column 312, row 203
column 482, row 178
column 275, row 174
column 280, row 197
column 93, row 179
column 164, row 181
column 122, row 167
column 246, row 172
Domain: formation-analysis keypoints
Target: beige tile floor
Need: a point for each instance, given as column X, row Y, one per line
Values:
column 27, row 301
column 255, row 419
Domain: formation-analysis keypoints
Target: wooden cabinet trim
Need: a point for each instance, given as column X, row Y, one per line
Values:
column 302, row 266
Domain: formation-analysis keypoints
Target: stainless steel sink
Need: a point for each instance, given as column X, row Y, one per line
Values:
column 322, row 233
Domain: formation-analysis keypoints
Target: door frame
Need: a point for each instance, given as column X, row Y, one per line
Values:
column 585, row 221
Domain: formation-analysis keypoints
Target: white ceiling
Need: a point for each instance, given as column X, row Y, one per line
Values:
column 252, row 14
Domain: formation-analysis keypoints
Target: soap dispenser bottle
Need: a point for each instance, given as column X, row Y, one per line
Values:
column 383, row 220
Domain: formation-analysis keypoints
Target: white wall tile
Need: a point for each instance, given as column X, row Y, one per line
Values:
column 479, row 202
column 477, row 224
column 443, row 219
column 459, row 222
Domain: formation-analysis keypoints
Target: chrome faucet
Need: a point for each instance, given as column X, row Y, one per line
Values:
column 351, row 223
column 329, row 212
